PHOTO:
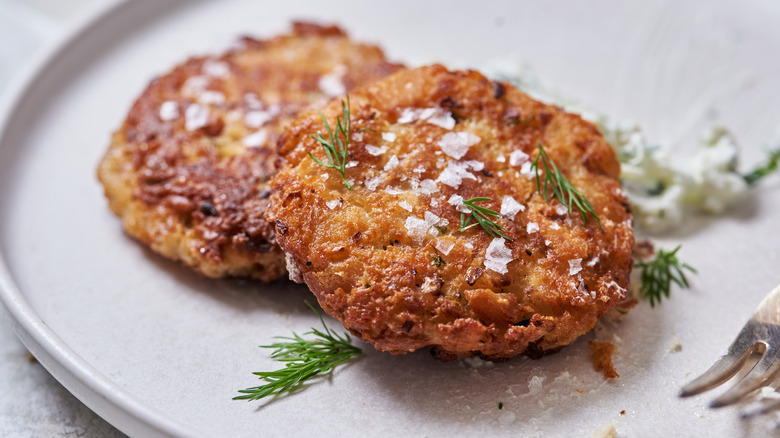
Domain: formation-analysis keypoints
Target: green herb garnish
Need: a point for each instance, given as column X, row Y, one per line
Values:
column 437, row 258
column 659, row 273
column 482, row 217
column 303, row 360
column 763, row 170
column 336, row 147
column 561, row 187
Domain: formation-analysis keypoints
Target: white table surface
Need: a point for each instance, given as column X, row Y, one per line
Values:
column 32, row 402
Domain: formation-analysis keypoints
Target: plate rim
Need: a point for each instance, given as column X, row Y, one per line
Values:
column 104, row 397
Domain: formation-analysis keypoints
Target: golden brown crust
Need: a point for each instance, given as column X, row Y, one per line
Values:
column 371, row 255
column 187, row 172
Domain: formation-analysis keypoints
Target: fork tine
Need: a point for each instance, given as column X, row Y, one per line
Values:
column 760, row 407
column 725, row 367
column 764, row 369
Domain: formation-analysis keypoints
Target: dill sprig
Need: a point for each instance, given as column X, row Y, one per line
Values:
column 659, row 273
column 763, row 170
column 336, row 147
column 303, row 360
column 562, row 189
column 482, row 217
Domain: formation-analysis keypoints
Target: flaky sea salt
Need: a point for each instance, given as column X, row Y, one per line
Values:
column 457, row 202
column 193, row 86
column 444, row 246
column 416, row 228
column 442, row 119
column 351, row 164
column 434, row 220
column 209, row 97
column 333, row 203
column 405, row 205
column 252, row 101
column 510, row 207
column 498, row 256
column 388, row 137
column 526, row 170
column 217, row 69
column 255, row 139
column 392, row 163
column 501, row 159
column 561, row 210
column 428, row 187
column 555, row 226
column 518, row 157
column 456, row 144
column 331, row 84
column 434, row 116
column 532, row 227
column 195, row 117
column 457, row 171
column 372, row 183
column 535, row 385
column 257, row 118
column 169, row 110
column 575, row 266
column 408, row 115
column 393, row 191
column 375, row 151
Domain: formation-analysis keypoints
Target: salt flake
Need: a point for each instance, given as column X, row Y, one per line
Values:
column 331, row 84
column 497, row 256
column 457, row 201
column 195, row 117
column 375, row 151
column 575, row 266
column 255, row 139
column 169, row 110
column 532, row 227
column 444, row 246
column 416, row 228
column 456, row 144
column 518, row 157
column 510, row 207
column 256, row 118
column 217, row 69
column 457, row 171
column 392, row 163
column 428, row 187
column 526, row 170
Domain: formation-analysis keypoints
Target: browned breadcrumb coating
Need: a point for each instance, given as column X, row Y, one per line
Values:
column 602, row 352
column 388, row 260
column 187, row 172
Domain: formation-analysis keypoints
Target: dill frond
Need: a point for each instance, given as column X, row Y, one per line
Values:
column 303, row 360
column 659, row 273
column 337, row 144
column 561, row 188
column 481, row 216
column 763, row 170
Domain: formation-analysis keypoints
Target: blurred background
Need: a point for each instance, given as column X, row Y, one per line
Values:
column 32, row 403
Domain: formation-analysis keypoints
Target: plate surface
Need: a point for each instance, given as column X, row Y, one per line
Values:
column 158, row 350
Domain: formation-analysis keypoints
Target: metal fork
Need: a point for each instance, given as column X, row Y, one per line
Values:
column 761, row 335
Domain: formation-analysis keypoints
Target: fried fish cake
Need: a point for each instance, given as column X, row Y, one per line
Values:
column 394, row 258
column 187, row 172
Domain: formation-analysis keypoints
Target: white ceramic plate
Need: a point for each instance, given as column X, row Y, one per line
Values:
column 158, row 350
